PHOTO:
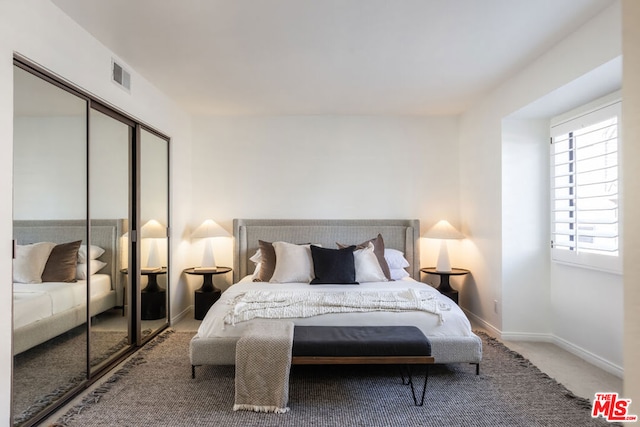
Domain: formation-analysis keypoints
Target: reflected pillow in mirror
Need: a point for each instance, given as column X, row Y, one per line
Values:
column 29, row 262
column 61, row 265
column 94, row 253
column 94, row 266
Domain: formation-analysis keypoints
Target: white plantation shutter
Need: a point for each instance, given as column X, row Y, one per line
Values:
column 585, row 226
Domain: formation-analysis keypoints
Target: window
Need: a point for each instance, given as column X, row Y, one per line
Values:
column 585, row 222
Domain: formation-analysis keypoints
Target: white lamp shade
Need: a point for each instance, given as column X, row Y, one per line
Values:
column 209, row 228
column 443, row 230
column 152, row 229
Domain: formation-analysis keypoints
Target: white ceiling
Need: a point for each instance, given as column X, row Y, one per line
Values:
column 393, row 57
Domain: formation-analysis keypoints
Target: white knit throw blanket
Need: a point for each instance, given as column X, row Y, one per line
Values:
column 283, row 304
column 263, row 361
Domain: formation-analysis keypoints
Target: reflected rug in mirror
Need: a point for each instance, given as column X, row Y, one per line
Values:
column 43, row 374
column 155, row 388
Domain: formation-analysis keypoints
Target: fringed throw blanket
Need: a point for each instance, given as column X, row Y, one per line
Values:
column 283, row 304
column 263, row 361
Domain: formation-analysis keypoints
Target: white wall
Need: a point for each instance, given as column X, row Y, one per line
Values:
column 486, row 197
column 525, row 228
column 588, row 314
column 631, row 207
column 108, row 167
column 50, row 168
column 325, row 167
column 40, row 31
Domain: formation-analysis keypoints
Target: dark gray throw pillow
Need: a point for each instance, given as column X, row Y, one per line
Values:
column 333, row 266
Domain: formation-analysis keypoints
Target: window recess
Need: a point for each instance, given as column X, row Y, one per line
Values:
column 585, row 221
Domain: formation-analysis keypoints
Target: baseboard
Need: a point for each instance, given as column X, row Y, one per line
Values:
column 527, row 336
column 488, row 327
column 184, row 313
column 594, row 359
column 586, row 355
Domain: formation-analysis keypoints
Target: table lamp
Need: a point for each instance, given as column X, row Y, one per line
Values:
column 153, row 231
column 443, row 231
column 208, row 230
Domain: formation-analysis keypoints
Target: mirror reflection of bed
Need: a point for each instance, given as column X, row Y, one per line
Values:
column 50, row 317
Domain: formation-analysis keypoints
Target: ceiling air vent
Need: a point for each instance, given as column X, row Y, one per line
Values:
column 121, row 76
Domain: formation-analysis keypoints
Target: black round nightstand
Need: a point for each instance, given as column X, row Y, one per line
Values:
column 445, row 287
column 207, row 294
column 153, row 298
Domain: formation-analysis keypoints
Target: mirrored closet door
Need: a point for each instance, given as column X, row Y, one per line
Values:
column 110, row 142
column 91, row 215
column 154, row 217
column 49, row 209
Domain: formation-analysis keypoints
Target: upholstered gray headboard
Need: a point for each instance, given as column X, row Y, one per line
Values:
column 105, row 233
column 400, row 234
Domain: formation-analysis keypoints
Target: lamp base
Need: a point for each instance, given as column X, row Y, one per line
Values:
column 208, row 260
column 443, row 265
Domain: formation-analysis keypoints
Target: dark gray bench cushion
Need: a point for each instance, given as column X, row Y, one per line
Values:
column 352, row 341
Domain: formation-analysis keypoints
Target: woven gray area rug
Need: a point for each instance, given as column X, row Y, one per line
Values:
column 43, row 374
column 155, row 388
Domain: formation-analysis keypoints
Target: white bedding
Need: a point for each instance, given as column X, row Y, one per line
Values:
column 454, row 323
column 38, row 301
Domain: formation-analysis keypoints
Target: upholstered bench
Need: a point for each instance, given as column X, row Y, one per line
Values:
column 375, row 345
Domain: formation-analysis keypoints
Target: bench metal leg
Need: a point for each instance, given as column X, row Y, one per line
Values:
column 402, row 375
column 410, row 383
column 193, row 371
column 477, row 368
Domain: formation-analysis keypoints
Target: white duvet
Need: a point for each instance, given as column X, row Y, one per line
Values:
column 445, row 321
column 37, row 301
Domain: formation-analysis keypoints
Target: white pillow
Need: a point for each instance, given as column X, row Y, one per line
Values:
column 367, row 266
column 294, row 263
column 257, row 257
column 30, row 261
column 398, row 273
column 94, row 253
column 395, row 259
column 256, row 271
column 94, row 266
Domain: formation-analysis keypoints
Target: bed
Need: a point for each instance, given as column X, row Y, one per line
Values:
column 45, row 310
column 447, row 328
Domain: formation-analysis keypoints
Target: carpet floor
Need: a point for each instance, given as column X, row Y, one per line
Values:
column 155, row 388
column 41, row 375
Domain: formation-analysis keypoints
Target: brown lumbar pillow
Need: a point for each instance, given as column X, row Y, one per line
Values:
column 267, row 262
column 61, row 265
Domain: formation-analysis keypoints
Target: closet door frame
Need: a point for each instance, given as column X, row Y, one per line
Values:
column 132, row 293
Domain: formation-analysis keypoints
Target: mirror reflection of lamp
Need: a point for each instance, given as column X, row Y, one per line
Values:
column 209, row 230
column 443, row 231
column 153, row 230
